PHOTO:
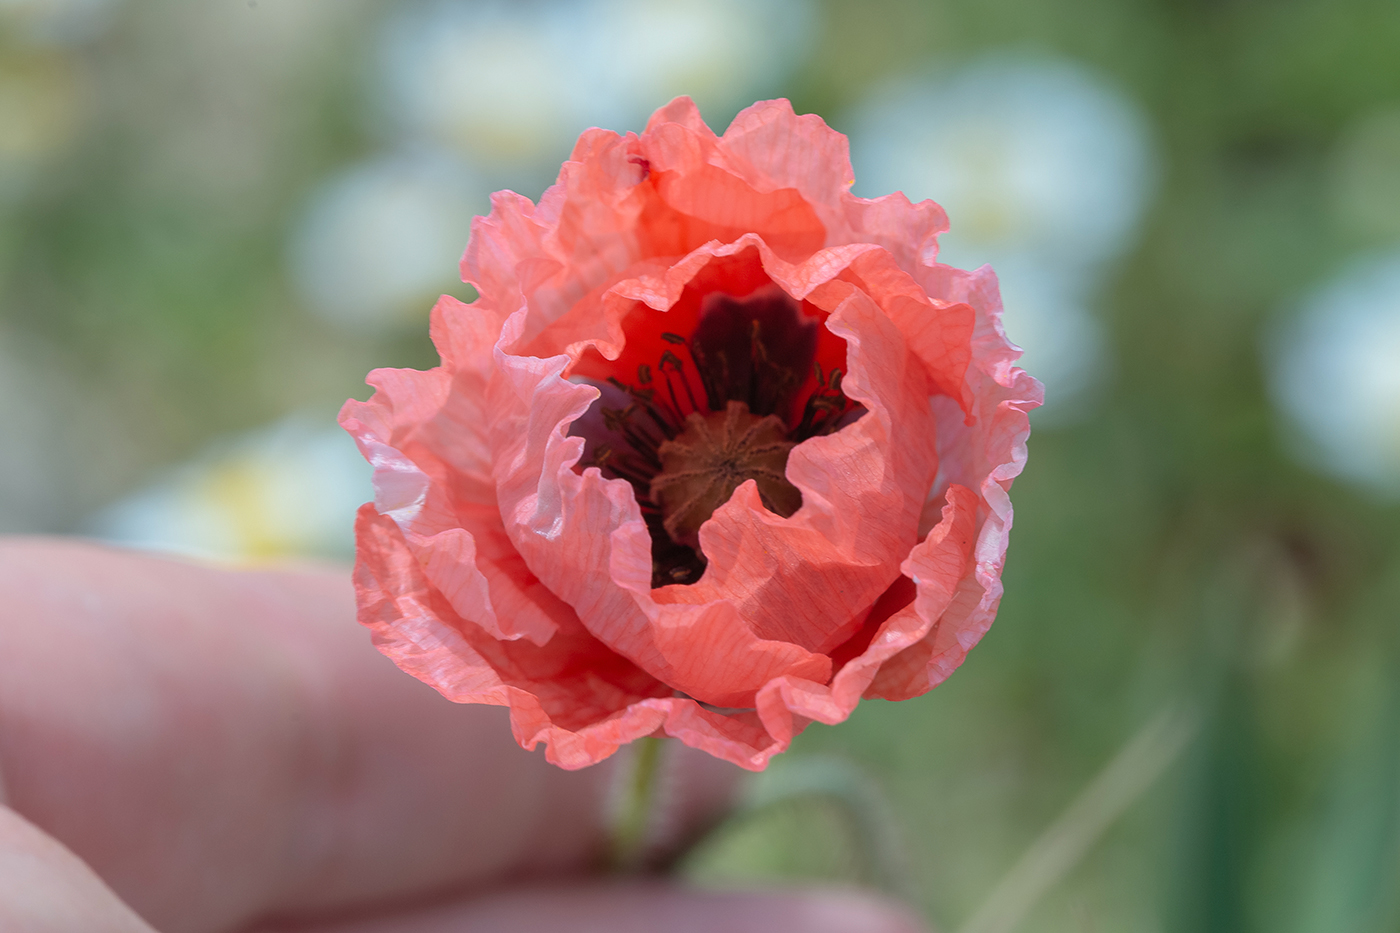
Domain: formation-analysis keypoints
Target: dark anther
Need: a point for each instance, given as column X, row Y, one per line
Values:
column 679, row 368
column 644, row 374
column 614, row 418
column 672, row 338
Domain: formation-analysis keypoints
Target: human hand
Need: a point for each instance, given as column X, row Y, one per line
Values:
column 197, row 750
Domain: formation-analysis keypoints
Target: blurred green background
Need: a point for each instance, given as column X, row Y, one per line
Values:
column 217, row 216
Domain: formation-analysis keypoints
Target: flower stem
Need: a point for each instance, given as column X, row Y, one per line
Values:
column 634, row 815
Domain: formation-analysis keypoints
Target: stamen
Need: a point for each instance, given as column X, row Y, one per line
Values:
column 679, row 368
column 714, row 396
column 668, row 357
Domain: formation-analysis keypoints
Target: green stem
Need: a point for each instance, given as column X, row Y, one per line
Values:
column 633, row 820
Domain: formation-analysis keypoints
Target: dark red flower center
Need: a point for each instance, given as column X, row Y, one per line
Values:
column 711, row 411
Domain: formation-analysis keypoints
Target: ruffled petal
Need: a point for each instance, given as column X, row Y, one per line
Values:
column 985, row 452
column 422, row 432
column 572, row 693
column 936, row 566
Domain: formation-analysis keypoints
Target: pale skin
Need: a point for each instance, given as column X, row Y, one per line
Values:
column 196, row 750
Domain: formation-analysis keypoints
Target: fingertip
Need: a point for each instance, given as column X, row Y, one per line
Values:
column 850, row 911
column 45, row 888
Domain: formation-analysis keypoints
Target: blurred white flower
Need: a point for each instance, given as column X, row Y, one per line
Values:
column 58, row 22
column 1044, row 168
column 1028, row 155
column 489, row 78
column 511, row 84
column 1335, row 373
column 290, row 490
column 380, row 240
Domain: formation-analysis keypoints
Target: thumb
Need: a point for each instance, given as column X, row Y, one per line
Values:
column 45, row 888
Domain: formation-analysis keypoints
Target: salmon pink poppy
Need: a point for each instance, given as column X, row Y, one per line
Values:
column 719, row 450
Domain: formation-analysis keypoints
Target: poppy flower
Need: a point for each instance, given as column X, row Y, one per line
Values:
column 719, row 450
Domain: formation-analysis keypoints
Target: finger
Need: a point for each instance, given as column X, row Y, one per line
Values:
column 646, row 909
column 220, row 746
column 44, row 888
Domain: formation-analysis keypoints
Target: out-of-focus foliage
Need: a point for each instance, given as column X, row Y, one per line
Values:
column 1185, row 538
